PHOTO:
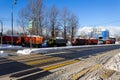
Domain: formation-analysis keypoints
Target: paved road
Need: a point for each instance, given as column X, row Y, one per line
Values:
column 32, row 66
column 81, row 52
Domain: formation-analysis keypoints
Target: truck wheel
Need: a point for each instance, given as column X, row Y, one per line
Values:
column 39, row 46
column 23, row 44
column 55, row 45
column 65, row 45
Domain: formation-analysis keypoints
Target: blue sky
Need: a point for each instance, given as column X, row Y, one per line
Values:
column 89, row 12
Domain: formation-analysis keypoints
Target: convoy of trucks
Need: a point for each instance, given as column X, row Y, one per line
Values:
column 37, row 41
column 92, row 41
column 23, row 40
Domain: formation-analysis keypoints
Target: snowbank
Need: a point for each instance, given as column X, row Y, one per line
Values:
column 47, row 50
column 2, row 54
column 7, row 46
column 24, row 52
column 114, row 63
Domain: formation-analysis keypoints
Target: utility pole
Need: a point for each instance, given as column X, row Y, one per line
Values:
column 30, row 25
column 12, row 20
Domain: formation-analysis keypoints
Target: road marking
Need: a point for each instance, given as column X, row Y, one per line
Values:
column 6, row 62
column 34, row 59
column 3, row 59
column 84, row 71
column 24, row 57
column 60, row 65
column 106, row 74
column 81, row 73
column 48, row 68
column 20, row 78
column 94, row 67
column 43, row 61
column 55, row 53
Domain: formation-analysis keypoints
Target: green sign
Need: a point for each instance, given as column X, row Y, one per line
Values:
column 30, row 24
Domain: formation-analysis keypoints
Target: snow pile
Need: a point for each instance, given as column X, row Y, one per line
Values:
column 114, row 63
column 24, row 52
column 47, row 50
column 33, row 51
column 2, row 54
column 96, row 78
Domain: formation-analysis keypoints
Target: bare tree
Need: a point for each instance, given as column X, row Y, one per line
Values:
column 47, row 30
column 64, row 20
column 83, row 34
column 46, row 22
column 23, row 19
column 39, row 16
column 34, row 11
column 8, row 32
column 73, row 25
column 53, row 19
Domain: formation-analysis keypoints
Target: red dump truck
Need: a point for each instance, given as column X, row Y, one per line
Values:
column 111, row 41
column 92, row 41
column 7, row 39
column 78, row 41
column 35, row 41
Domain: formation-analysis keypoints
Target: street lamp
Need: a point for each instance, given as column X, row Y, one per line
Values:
column 12, row 20
column 1, row 31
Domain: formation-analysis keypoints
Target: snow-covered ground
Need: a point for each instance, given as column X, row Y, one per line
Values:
column 114, row 63
column 3, row 54
column 7, row 47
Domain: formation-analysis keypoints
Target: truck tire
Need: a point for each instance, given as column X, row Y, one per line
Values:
column 39, row 46
column 23, row 44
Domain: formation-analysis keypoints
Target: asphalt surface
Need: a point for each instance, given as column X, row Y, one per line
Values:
column 9, row 66
column 82, row 52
